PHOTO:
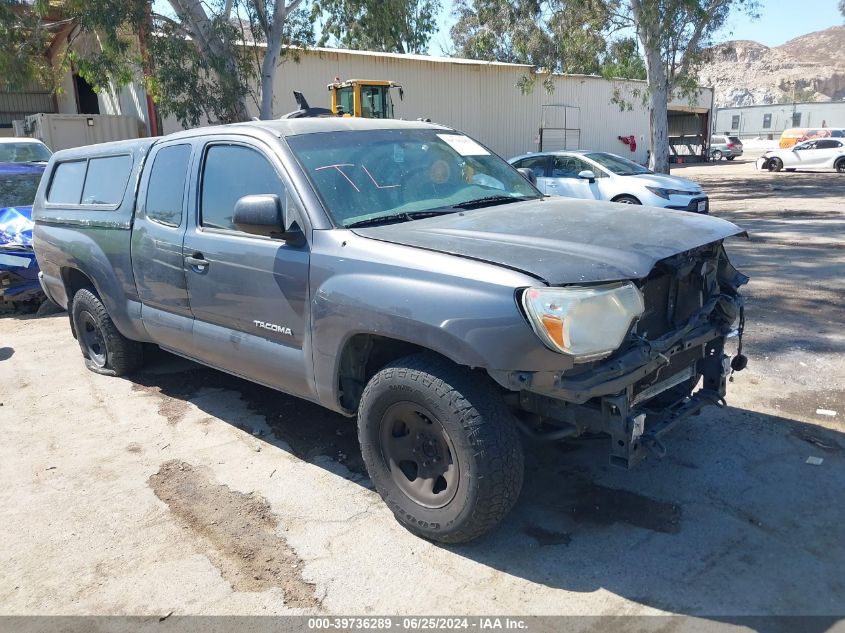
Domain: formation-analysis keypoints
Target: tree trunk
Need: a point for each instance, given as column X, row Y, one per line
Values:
column 659, row 127
column 658, row 86
column 268, row 71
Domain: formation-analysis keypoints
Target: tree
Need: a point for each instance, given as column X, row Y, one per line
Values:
column 204, row 59
column 673, row 35
column 593, row 36
column 553, row 36
column 392, row 26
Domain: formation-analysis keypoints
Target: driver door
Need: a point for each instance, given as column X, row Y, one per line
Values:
column 248, row 293
column 805, row 155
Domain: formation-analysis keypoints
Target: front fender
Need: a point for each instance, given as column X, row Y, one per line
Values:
column 462, row 309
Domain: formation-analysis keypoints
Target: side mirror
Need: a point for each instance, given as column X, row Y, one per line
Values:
column 262, row 215
column 587, row 175
column 528, row 174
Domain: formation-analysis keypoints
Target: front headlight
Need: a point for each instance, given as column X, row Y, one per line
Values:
column 665, row 193
column 587, row 322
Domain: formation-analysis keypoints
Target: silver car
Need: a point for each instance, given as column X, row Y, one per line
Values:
column 605, row 176
column 723, row 146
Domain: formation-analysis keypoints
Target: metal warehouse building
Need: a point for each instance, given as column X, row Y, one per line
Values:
column 768, row 121
column 483, row 100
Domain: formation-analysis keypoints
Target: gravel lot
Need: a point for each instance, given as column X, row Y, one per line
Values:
column 185, row 490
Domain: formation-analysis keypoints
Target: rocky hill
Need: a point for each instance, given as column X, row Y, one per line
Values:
column 807, row 68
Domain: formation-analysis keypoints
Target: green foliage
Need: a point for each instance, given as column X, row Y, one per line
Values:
column 203, row 59
column 23, row 40
column 562, row 36
column 393, row 26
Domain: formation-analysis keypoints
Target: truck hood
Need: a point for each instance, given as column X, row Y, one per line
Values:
column 562, row 241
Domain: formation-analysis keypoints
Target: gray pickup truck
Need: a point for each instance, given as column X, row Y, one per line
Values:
column 402, row 273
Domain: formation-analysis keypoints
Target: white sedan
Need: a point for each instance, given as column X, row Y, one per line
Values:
column 820, row 153
column 605, row 176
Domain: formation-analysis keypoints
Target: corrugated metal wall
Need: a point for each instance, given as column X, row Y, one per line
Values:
column 482, row 99
column 17, row 105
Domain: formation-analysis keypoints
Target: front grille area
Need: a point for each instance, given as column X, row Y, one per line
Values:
column 676, row 289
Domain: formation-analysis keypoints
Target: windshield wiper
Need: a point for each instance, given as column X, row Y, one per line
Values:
column 490, row 201
column 398, row 217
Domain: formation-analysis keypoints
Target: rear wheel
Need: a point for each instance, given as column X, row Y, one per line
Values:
column 717, row 155
column 626, row 200
column 106, row 350
column 840, row 165
column 441, row 448
column 775, row 164
column 730, row 157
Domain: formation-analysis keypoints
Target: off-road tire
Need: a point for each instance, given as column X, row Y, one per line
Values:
column 479, row 426
column 626, row 200
column 775, row 164
column 115, row 355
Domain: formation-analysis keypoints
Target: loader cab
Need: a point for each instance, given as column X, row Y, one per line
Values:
column 365, row 98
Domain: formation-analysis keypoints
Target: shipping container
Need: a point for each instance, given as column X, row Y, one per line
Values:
column 63, row 131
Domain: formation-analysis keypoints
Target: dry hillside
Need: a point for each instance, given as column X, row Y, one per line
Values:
column 807, row 68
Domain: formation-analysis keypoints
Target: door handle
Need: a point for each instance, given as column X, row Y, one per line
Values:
column 197, row 262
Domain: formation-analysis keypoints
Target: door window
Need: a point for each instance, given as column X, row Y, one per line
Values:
column 828, row 144
column 231, row 172
column 537, row 164
column 568, row 167
column 166, row 188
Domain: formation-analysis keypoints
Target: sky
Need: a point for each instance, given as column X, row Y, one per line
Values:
column 780, row 21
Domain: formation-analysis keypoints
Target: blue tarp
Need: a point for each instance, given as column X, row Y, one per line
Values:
column 18, row 267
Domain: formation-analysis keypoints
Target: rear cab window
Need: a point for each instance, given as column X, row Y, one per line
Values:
column 96, row 181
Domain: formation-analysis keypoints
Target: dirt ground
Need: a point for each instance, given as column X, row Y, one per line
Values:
column 183, row 490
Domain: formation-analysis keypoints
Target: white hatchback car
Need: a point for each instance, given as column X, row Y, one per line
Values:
column 820, row 153
column 605, row 176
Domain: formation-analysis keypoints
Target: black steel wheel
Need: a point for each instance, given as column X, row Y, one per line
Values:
column 105, row 349
column 92, row 340
column 441, row 447
column 419, row 454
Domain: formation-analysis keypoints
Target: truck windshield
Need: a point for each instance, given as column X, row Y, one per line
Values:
column 368, row 175
column 18, row 189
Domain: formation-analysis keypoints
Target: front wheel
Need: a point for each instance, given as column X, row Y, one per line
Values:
column 775, row 164
column 441, row 448
column 626, row 200
column 717, row 155
column 106, row 350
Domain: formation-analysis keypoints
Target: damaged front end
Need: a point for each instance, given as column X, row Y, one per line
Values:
column 645, row 387
column 18, row 267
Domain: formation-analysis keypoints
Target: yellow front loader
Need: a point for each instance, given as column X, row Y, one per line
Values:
column 367, row 98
